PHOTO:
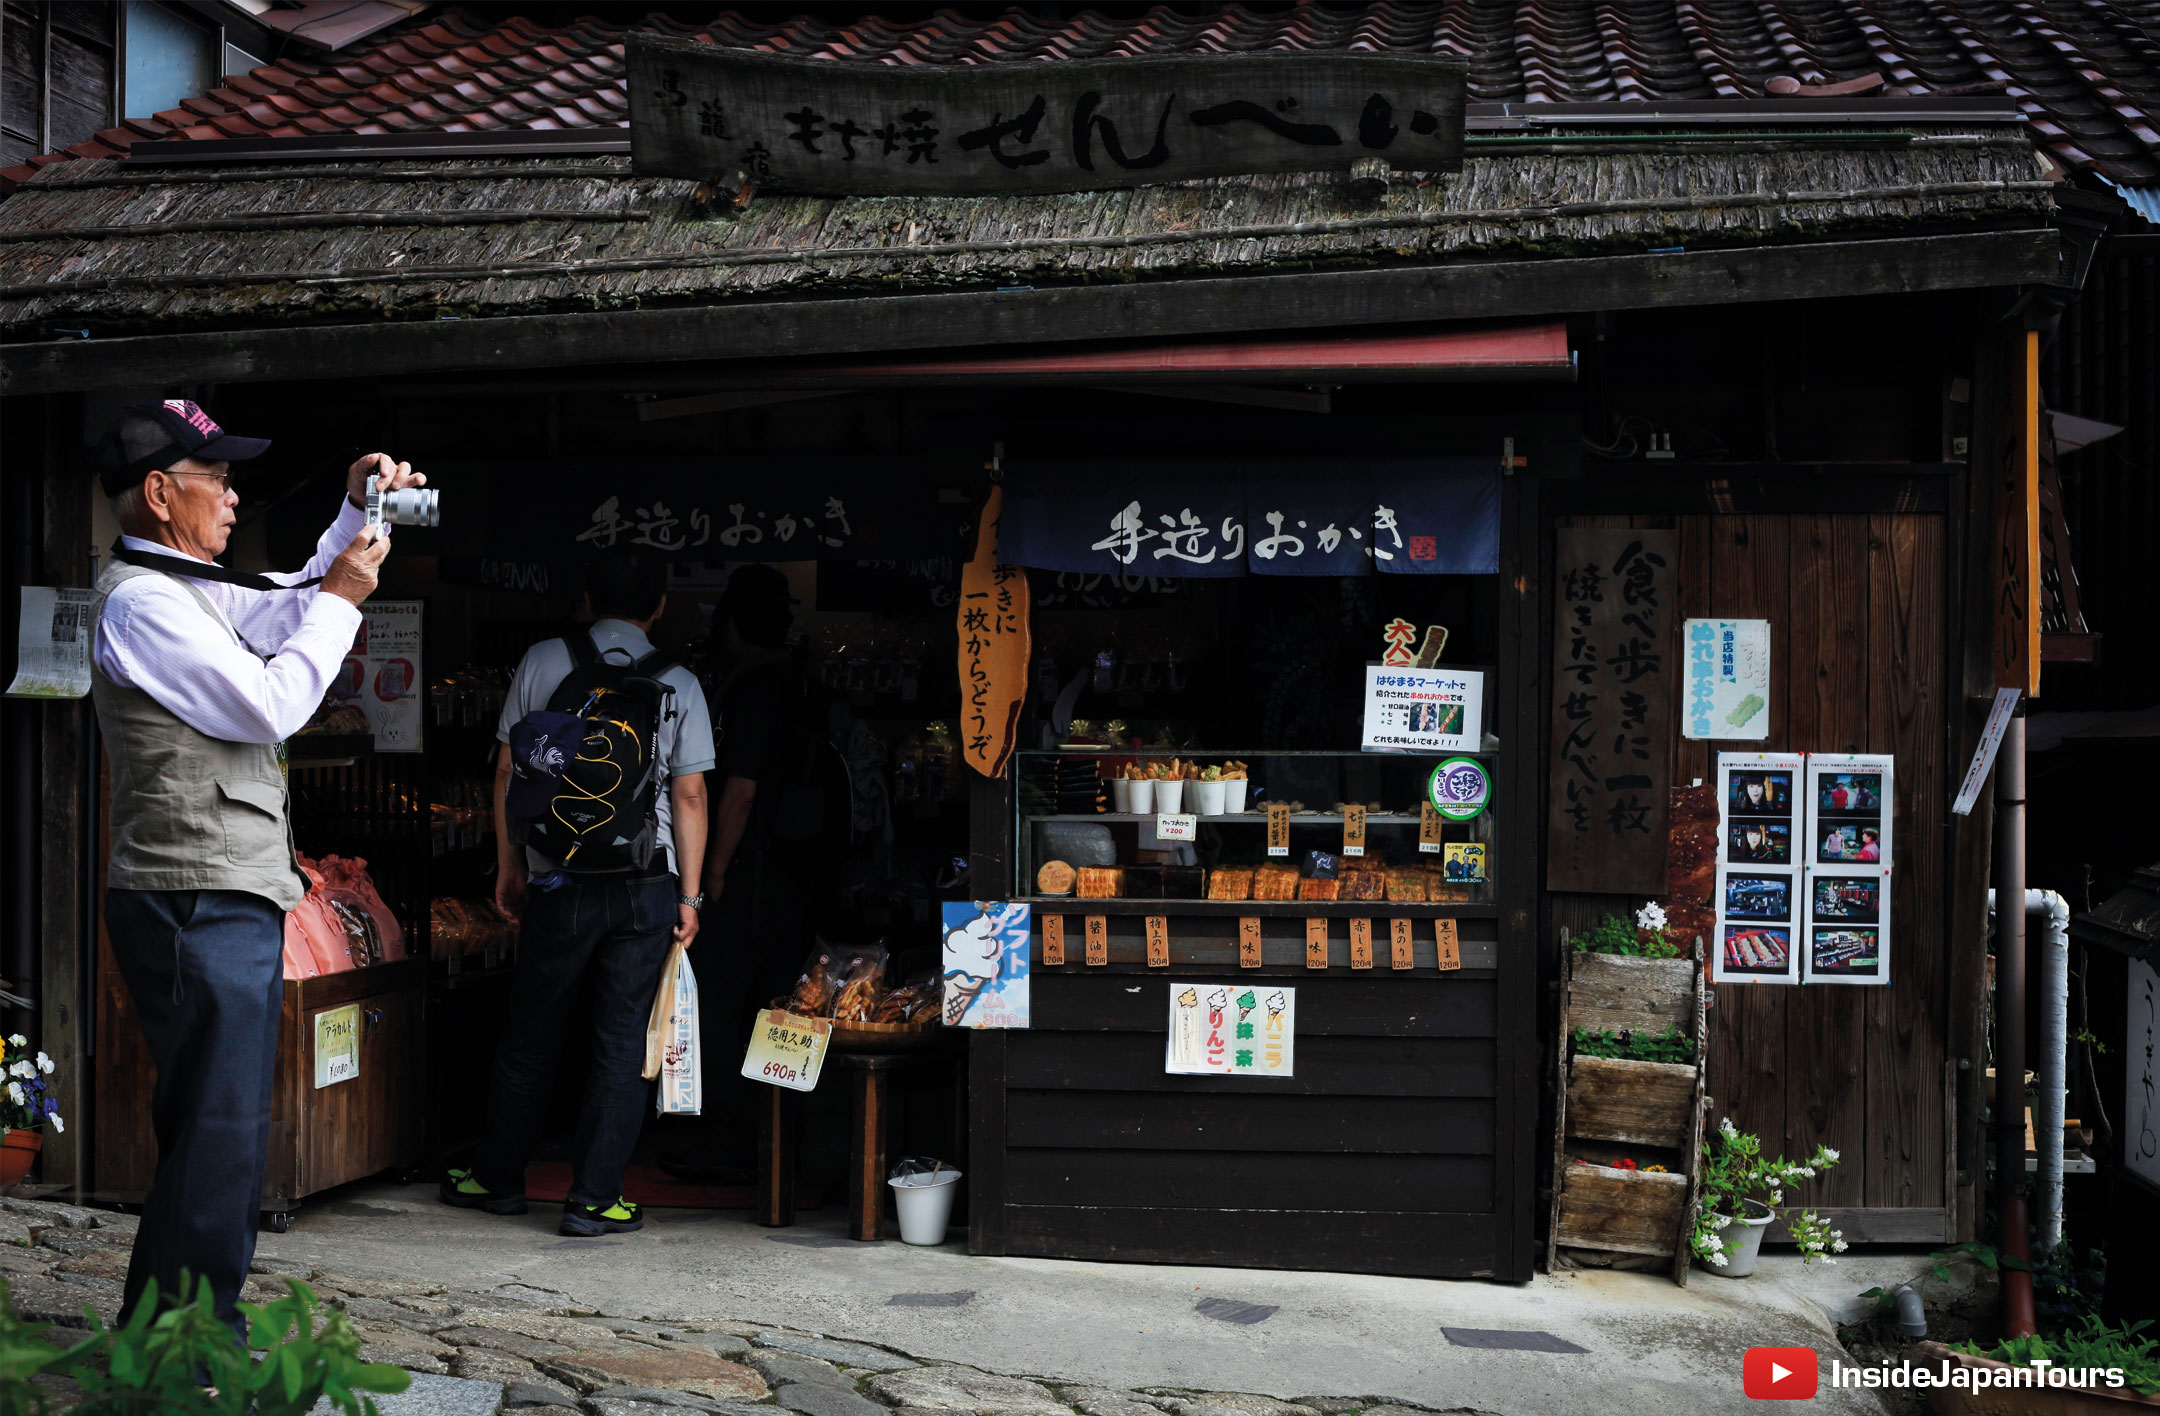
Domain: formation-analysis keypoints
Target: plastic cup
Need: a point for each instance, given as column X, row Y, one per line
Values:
column 925, row 1205
column 1234, row 795
column 1143, row 796
column 1170, row 797
column 1208, row 798
column 1121, row 794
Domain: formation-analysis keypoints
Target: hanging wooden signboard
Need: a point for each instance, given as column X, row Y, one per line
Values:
column 1158, row 941
column 1615, row 598
column 1248, row 942
column 1361, row 943
column 1400, row 949
column 994, row 633
column 1053, row 936
column 1098, row 940
column 2017, row 523
column 838, row 129
column 1316, row 943
column 1447, row 942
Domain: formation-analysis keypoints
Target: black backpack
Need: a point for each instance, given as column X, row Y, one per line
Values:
column 604, row 814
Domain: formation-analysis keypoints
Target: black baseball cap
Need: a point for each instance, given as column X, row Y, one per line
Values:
column 152, row 436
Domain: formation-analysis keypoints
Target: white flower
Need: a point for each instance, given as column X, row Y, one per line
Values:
column 1838, row 1245
column 58, row 1124
column 1650, row 916
column 18, row 1040
column 1718, row 1259
column 15, row 1093
column 1827, row 1154
column 1732, row 1132
column 1722, row 1221
column 1777, row 1197
column 44, row 1064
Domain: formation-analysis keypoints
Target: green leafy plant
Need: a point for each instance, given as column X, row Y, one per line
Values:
column 2089, row 1344
column 185, row 1358
column 1735, row 1174
column 1672, row 1045
column 1645, row 938
column 2085, row 1035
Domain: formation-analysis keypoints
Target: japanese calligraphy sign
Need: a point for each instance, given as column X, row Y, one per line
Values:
column 1389, row 516
column 1098, row 940
column 1248, row 941
column 2141, row 1079
column 1447, row 944
column 993, row 621
column 1614, row 600
column 1360, row 943
column 1053, row 939
column 1158, row 941
column 1231, row 1030
column 1727, row 692
column 840, row 129
column 1316, row 943
column 1401, row 950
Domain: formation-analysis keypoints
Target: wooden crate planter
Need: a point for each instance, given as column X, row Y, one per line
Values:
column 1610, row 1108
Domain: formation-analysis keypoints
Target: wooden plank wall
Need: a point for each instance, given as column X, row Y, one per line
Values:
column 1857, row 607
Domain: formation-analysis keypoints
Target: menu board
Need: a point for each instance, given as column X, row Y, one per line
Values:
column 1231, row 1030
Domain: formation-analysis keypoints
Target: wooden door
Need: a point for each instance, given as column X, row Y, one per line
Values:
column 1858, row 615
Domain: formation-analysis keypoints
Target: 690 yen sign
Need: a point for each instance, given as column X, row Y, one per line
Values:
column 787, row 1050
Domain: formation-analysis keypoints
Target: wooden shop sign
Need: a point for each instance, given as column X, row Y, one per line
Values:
column 1053, row 936
column 854, row 129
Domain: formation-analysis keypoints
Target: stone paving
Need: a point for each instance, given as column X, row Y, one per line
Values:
column 520, row 1351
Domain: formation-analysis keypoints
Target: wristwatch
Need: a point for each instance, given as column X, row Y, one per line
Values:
column 696, row 902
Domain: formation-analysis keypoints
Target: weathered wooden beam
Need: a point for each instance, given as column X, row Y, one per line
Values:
column 1164, row 309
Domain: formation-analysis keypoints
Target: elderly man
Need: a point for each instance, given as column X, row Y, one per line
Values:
column 198, row 673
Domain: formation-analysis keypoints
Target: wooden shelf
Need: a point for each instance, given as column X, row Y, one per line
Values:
column 1261, row 909
column 1244, row 818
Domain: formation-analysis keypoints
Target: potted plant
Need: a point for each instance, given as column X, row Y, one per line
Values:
column 1644, row 939
column 25, row 1106
column 1740, row 1195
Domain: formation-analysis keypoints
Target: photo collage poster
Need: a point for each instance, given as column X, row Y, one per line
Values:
column 1761, row 825
column 1847, row 919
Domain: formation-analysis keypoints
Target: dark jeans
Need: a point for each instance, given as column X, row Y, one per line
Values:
column 205, row 970
column 596, row 938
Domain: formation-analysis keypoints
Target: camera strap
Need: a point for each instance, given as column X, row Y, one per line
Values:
column 203, row 570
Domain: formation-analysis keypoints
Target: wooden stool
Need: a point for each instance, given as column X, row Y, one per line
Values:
column 779, row 1127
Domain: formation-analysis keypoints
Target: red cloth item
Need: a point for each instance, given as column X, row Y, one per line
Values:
column 321, row 936
column 347, row 879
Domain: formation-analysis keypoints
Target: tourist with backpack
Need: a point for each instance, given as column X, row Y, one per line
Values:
column 600, row 852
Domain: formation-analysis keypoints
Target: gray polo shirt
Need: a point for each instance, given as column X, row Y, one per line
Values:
column 685, row 739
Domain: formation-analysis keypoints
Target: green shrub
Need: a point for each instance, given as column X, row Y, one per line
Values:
column 2091, row 1343
column 150, row 1364
column 1615, row 935
column 1672, row 1045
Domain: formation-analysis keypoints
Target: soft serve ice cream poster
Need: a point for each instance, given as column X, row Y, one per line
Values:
column 986, row 964
column 1232, row 1030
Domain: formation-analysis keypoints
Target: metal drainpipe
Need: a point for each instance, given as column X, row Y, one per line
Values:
column 2017, row 1295
column 2051, row 1068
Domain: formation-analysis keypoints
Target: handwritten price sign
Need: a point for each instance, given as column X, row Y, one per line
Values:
column 787, row 1050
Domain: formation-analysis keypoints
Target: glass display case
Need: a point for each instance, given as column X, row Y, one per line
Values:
column 1099, row 824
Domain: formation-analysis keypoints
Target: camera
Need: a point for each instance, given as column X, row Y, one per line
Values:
column 407, row 506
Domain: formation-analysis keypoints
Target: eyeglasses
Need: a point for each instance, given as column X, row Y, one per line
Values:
column 223, row 479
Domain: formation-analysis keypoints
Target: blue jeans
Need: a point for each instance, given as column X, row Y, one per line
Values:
column 205, row 970
column 601, row 939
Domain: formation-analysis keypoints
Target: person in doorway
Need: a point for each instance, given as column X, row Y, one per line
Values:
column 761, row 884
column 595, row 923
column 198, row 673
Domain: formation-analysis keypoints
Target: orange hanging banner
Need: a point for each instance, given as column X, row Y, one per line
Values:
column 993, row 623
column 2017, row 521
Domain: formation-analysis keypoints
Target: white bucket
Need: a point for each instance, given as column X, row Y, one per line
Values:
column 1120, row 794
column 925, row 1203
column 1143, row 796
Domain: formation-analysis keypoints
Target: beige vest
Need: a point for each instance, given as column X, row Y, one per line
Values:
column 189, row 811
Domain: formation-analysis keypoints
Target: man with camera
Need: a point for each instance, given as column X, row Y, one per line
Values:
column 198, row 673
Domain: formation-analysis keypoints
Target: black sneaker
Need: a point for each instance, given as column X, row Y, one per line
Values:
column 588, row 1221
column 461, row 1189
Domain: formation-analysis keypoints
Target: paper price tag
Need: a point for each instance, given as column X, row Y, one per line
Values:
column 1158, row 942
column 1098, row 941
column 1361, row 943
column 337, row 1045
column 1316, row 943
column 1278, row 828
column 1353, row 830
column 1053, row 939
column 1400, row 932
column 1428, row 828
column 787, row 1050
column 1248, row 942
column 1450, row 945
column 1185, row 827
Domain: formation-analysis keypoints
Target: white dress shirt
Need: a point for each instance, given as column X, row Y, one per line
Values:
column 155, row 636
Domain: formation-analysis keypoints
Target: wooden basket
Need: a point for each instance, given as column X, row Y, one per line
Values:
column 884, row 1037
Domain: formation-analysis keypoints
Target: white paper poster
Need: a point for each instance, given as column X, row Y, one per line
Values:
column 1760, row 823
column 1231, row 1030
column 381, row 674
column 54, row 659
column 986, row 964
column 1849, row 800
column 337, row 1045
column 1726, row 692
column 1423, row 710
column 2141, row 1079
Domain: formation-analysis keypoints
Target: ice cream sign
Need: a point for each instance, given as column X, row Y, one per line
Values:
column 1231, row 1030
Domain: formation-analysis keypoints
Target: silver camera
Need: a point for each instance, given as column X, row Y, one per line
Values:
column 407, row 506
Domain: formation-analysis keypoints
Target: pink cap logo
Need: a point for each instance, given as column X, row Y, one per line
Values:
column 196, row 418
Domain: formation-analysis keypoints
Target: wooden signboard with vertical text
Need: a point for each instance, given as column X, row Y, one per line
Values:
column 1401, row 953
column 1248, row 942
column 2017, row 520
column 1353, row 829
column 1448, row 940
column 1098, row 940
column 740, row 117
column 1158, row 941
column 1316, row 943
column 1361, row 943
column 1615, row 604
column 994, row 632
column 1053, row 937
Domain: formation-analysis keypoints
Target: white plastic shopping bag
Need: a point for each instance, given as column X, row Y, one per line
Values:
column 671, row 1039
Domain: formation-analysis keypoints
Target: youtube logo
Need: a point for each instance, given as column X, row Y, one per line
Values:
column 1780, row 1373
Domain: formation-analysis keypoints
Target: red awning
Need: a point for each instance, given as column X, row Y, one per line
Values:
column 1517, row 352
